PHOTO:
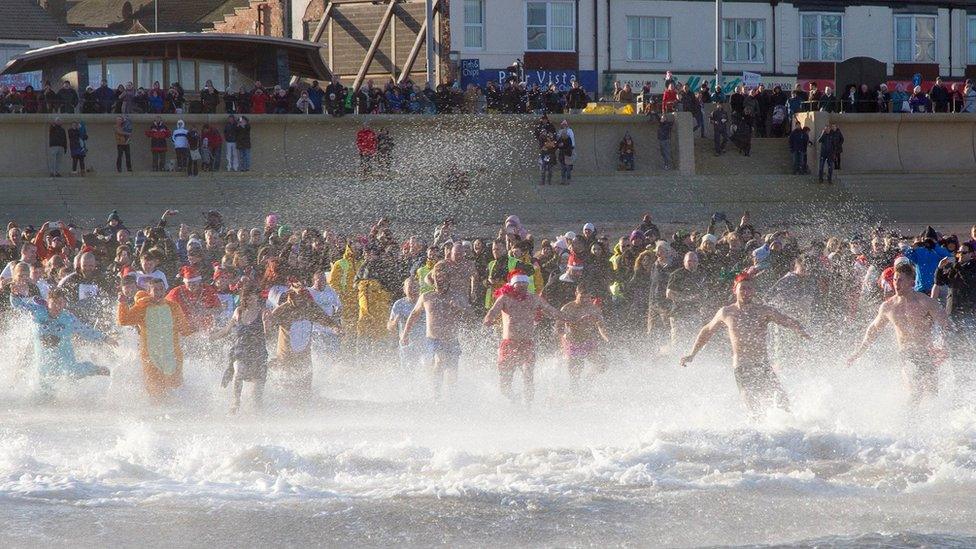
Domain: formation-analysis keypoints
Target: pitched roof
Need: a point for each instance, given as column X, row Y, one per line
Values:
column 174, row 15
column 25, row 20
column 100, row 13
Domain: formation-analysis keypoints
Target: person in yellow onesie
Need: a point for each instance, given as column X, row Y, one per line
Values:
column 161, row 325
column 342, row 278
column 374, row 298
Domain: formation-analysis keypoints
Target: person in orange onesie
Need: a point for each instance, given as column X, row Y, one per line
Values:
column 161, row 324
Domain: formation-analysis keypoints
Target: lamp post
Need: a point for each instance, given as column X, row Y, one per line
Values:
column 430, row 45
column 718, row 42
column 156, row 14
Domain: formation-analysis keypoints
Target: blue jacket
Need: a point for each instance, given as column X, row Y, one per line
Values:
column 926, row 261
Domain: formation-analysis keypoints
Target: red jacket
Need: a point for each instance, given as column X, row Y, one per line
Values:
column 158, row 138
column 668, row 100
column 43, row 252
column 366, row 141
column 214, row 140
column 198, row 310
column 259, row 103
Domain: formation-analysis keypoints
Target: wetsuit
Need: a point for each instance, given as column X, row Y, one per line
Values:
column 249, row 352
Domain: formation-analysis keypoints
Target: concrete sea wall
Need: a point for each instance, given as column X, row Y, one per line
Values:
column 296, row 144
column 901, row 143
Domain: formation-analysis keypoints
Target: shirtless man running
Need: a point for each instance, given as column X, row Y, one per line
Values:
column 517, row 308
column 443, row 314
column 747, row 323
column 913, row 314
column 581, row 338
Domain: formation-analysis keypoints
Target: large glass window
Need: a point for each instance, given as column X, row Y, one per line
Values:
column 21, row 80
column 971, row 38
column 213, row 71
column 821, row 36
column 550, row 26
column 648, row 38
column 915, row 39
column 474, row 24
column 183, row 72
column 117, row 71
column 95, row 75
column 744, row 40
column 151, row 70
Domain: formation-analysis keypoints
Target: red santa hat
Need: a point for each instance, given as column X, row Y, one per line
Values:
column 189, row 273
column 517, row 276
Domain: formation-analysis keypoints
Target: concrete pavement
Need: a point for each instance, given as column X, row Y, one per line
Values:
column 346, row 201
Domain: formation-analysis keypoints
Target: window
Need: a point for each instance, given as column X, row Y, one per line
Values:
column 95, row 75
column 744, row 40
column 474, row 24
column 20, row 80
column 151, row 71
column 971, row 38
column 822, row 37
column 213, row 71
column 184, row 73
column 648, row 38
column 550, row 26
column 915, row 39
column 117, row 71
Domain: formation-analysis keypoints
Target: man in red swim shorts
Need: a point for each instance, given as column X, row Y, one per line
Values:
column 517, row 308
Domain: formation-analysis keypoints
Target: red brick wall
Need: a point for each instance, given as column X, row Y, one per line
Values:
column 245, row 21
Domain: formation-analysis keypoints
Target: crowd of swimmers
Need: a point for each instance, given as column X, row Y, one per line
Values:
column 270, row 298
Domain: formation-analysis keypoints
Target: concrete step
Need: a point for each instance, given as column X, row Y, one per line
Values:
column 416, row 205
column 768, row 156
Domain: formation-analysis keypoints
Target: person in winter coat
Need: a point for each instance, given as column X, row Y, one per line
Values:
column 211, row 148
column 366, row 144
column 77, row 143
column 67, row 97
column 123, row 136
column 919, row 102
column 799, row 142
column 826, row 141
column 181, row 146
column 838, row 144
column 244, row 143
column 193, row 143
column 230, row 144
column 576, row 97
column 57, row 145
column 158, row 135
column 304, row 104
column 259, row 101
column 209, row 98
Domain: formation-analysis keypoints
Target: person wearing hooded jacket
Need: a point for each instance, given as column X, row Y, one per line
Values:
column 181, row 145
column 925, row 256
column 158, row 135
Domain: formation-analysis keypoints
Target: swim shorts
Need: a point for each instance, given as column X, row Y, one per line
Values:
column 578, row 350
column 515, row 352
column 443, row 347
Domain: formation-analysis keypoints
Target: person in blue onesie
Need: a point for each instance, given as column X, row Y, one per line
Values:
column 54, row 328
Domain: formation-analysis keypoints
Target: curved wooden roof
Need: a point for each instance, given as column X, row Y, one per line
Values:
column 303, row 57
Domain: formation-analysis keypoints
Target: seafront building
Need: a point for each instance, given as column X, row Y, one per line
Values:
column 551, row 41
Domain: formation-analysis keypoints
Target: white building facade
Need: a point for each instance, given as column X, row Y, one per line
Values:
column 636, row 41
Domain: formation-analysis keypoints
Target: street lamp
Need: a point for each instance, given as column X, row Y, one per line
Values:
column 718, row 42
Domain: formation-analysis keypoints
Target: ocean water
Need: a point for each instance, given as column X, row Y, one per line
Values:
column 649, row 455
